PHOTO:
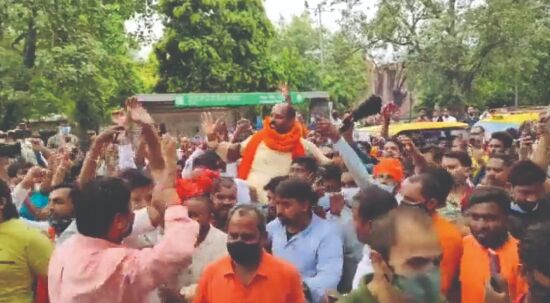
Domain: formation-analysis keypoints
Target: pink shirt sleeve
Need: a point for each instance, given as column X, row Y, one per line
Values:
column 149, row 267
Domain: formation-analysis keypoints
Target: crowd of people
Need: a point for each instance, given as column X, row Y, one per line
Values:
column 288, row 213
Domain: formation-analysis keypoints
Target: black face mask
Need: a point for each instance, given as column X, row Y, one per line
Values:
column 525, row 207
column 245, row 254
column 421, row 206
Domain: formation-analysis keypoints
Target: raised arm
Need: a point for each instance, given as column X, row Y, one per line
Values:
column 38, row 145
column 541, row 154
column 229, row 152
column 89, row 166
column 141, row 117
column 420, row 163
column 150, row 267
column 352, row 161
column 60, row 173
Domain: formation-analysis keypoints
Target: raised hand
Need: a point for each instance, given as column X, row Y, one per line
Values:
column 109, row 135
column 37, row 144
column 327, row 129
column 380, row 285
column 408, row 144
column 118, row 117
column 137, row 113
column 211, row 128
column 286, row 92
column 494, row 296
column 169, row 154
column 389, row 109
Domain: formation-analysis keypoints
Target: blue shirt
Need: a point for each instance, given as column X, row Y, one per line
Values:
column 39, row 200
column 317, row 253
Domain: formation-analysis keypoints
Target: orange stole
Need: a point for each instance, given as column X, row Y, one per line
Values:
column 289, row 142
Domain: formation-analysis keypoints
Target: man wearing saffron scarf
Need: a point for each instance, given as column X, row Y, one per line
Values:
column 269, row 152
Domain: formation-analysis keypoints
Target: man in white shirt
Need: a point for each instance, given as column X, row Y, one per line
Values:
column 447, row 116
column 210, row 246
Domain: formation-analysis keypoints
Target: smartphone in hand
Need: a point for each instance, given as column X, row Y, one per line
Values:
column 494, row 265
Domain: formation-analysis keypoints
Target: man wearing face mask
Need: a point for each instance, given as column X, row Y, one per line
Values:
column 61, row 210
column 531, row 203
column 62, row 137
column 405, row 256
column 310, row 243
column 490, row 253
column 249, row 274
column 93, row 266
column 428, row 191
column 388, row 174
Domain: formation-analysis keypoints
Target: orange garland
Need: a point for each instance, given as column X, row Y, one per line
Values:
column 288, row 143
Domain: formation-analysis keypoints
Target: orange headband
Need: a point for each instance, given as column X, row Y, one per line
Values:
column 390, row 166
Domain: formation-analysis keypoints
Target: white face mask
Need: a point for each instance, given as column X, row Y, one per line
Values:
column 324, row 201
column 388, row 188
column 65, row 130
column 349, row 193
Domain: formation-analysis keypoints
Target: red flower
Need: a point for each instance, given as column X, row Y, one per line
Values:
column 198, row 184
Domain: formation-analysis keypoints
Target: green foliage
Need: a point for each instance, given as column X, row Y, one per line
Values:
column 463, row 51
column 215, row 46
column 297, row 53
column 65, row 56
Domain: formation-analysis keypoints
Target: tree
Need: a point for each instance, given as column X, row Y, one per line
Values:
column 62, row 56
column 215, row 46
column 297, row 53
column 460, row 51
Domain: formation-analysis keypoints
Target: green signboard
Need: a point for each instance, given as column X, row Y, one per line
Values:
column 233, row 99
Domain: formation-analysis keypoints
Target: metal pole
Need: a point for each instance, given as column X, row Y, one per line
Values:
column 321, row 42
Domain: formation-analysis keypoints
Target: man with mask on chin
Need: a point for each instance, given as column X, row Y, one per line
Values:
column 490, row 253
column 249, row 274
column 428, row 191
column 531, row 203
column 93, row 266
column 388, row 174
column 61, row 211
column 405, row 257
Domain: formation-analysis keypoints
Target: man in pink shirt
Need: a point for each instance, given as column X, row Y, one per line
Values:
column 93, row 267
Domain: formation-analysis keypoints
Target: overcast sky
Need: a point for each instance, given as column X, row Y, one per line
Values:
column 275, row 10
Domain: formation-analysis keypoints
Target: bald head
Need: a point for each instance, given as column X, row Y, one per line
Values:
column 283, row 116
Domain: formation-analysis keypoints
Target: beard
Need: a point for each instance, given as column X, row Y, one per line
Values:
column 284, row 221
column 491, row 241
